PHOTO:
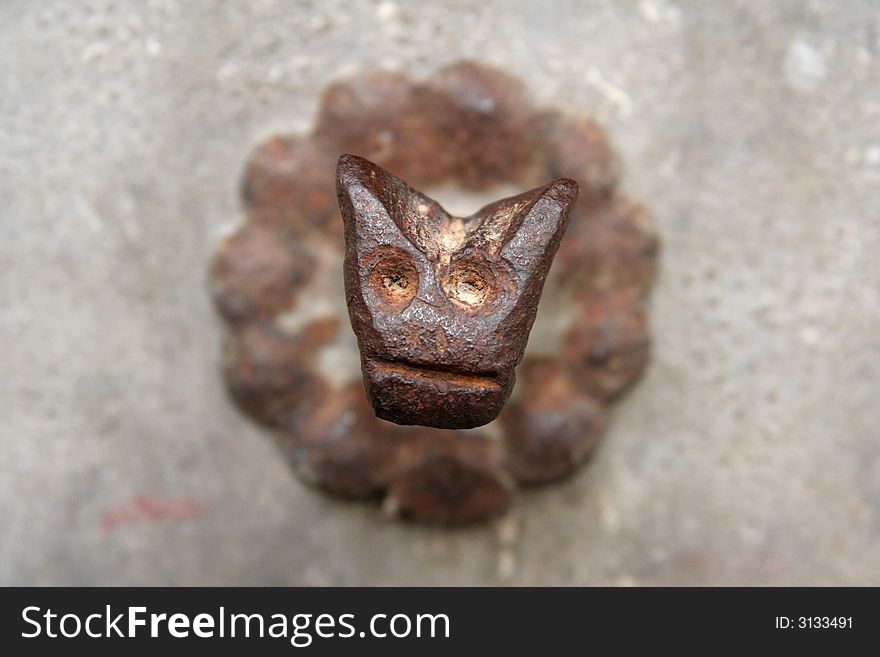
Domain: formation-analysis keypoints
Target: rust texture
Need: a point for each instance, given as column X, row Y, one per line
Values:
column 291, row 362
column 442, row 306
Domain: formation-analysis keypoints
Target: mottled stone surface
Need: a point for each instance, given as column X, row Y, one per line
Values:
column 748, row 454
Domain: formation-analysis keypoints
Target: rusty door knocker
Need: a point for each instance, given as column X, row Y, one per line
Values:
column 442, row 305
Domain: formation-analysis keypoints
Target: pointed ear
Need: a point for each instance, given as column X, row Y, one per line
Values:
column 525, row 228
column 372, row 199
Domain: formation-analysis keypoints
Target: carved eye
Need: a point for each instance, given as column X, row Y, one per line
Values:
column 393, row 278
column 470, row 284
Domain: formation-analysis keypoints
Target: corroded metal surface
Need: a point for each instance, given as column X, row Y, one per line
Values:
column 291, row 361
column 442, row 306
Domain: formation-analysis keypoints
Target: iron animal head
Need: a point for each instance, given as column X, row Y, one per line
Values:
column 442, row 306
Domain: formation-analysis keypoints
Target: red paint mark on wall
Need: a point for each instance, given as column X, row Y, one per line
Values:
column 153, row 510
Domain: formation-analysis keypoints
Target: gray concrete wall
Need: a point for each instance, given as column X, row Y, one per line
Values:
column 750, row 454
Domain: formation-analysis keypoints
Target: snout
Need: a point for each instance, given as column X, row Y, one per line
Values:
column 447, row 399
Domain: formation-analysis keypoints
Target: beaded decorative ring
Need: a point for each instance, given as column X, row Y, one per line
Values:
column 291, row 361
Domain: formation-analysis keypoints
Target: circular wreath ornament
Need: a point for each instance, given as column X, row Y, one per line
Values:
column 291, row 361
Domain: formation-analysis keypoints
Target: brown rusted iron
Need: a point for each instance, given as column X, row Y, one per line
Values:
column 291, row 363
column 442, row 306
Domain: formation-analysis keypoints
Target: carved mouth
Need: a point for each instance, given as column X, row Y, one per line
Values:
column 449, row 377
